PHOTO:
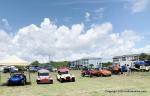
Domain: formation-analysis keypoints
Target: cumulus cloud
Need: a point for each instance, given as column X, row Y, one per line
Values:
column 139, row 5
column 67, row 43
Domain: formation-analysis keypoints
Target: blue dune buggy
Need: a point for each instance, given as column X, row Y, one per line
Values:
column 17, row 79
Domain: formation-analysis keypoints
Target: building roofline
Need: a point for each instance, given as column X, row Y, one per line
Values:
column 126, row 55
column 86, row 58
column 91, row 58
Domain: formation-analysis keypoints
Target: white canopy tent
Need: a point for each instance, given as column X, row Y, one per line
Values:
column 13, row 61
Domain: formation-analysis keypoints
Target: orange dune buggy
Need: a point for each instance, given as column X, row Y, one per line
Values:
column 94, row 72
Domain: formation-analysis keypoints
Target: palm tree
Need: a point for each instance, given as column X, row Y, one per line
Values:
column 91, row 65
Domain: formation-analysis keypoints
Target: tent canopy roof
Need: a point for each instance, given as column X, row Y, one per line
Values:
column 13, row 61
column 140, row 63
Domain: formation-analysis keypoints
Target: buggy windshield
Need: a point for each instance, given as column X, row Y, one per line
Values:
column 43, row 74
column 65, row 72
column 16, row 75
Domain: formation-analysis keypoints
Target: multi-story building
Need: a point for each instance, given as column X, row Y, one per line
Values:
column 126, row 59
column 88, row 62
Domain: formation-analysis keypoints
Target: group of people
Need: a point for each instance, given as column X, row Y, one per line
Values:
column 125, row 69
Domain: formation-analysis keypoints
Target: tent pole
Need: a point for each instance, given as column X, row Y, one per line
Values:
column 0, row 78
column 29, row 77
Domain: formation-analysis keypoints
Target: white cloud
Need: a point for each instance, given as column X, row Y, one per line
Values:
column 5, row 43
column 64, row 43
column 87, row 16
column 139, row 5
column 5, row 22
column 4, row 25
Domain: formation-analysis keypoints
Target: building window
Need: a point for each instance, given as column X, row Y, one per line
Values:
column 115, row 59
column 123, row 58
column 136, row 58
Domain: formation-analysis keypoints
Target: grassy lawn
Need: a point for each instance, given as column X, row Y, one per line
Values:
column 96, row 86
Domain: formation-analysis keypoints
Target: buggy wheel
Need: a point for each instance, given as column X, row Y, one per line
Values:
column 73, row 79
column 99, row 75
column 8, row 84
column 23, row 82
column 37, row 82
column 91, row 75
column 82, row 74
column 51, row 82
column 61, row 80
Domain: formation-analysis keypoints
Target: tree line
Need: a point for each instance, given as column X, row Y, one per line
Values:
column 144, row 57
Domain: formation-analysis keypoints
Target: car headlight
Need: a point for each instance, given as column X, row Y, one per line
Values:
column 51, row 78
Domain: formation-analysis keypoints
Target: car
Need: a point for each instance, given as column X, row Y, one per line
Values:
column 32, row 69
column 6, row 70
column 94, row 72
column 105, row 73
column 115, row 69
column 143, row 66
column 17, row 79
column 44, row 77
column 1, row 69
column 89, row 72
column 11, row 69
column 64, row 75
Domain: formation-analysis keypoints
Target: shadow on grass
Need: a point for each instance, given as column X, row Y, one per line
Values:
column 5, row 84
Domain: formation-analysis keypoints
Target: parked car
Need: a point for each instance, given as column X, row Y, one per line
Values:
column 44, row 77
column 94, row 72
column 89, row 72
column 54, row 70
column 11, row 69
column 32, row 69
column 105, row 73
column 1, row 69
column 64, row 75
column 6, row 70
column 17, row 79
column 115, row 69
column 143, row 66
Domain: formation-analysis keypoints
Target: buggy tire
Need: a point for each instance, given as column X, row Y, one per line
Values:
column 82, row 74
column 73, row 79
column 23, row 82
column 91, row 75
column 61, row 80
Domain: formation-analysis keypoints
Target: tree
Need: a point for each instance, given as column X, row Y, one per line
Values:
column 91, row 65
column 143, row 56
column 106, row 64
column 148, row 57
column 59, row 64
column 35, row 63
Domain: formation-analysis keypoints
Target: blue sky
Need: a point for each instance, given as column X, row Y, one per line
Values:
column 122, row 14
column 20, row 13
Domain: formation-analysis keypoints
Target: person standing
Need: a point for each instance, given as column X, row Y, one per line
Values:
column 125, row 69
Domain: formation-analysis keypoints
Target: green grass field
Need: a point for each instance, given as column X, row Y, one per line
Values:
column 96, row 86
